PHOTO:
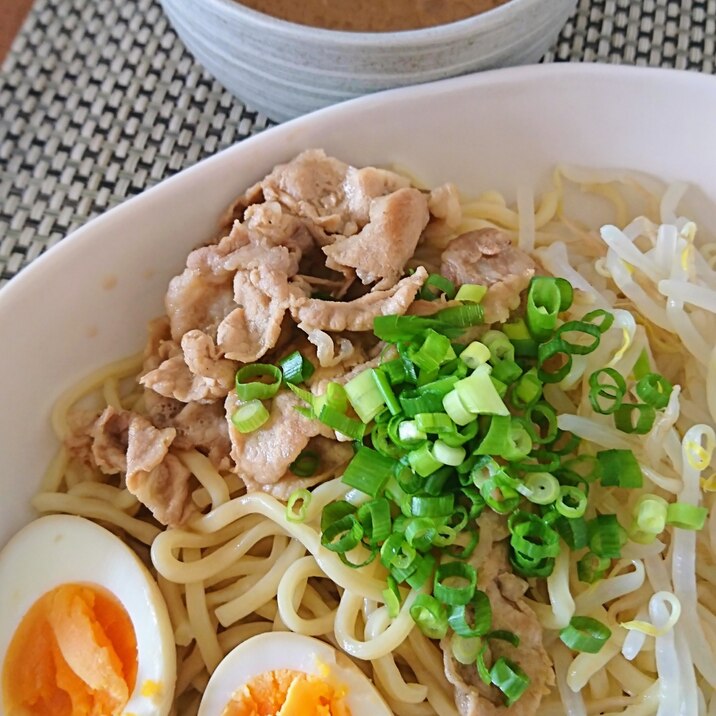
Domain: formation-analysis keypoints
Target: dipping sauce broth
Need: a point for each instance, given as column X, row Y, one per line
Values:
column 372, row 15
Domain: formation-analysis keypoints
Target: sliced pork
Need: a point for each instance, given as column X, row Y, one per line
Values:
column 487, row 257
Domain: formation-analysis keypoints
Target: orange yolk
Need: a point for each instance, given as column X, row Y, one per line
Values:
column 287, row 693
column 74, row 654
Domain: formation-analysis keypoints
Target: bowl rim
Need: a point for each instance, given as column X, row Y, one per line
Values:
column 448, row 32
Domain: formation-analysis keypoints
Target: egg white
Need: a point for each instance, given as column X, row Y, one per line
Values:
column 286, row 650
column 62, row 549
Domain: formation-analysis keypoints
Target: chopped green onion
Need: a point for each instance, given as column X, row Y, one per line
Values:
column 465, row 649
column 460, row 437
column 435, row 350
column 394, row 329
column 341, row 423
column 541, row 413
column 368, row 471
column 585, row 634
column 381, row 380
column 485, row 467
column 429, row 506
column 526, row 390
column 606, row 536
column 509, row 679
column 555, row 350
column 458, row 413
column 463, row 550
column 409, row 433
column 619, row 468
column 642, row 367
column 252, row 390
column 654, row 390
column 365, row 396
column 624, row 418
column 583, row 468
column 500, row 346
column 442, row 284
column 391, row 597
column 301, row 497
column 469, row 314
column 532, row 537
column 650, row 514
column 435, row 423
column 475, row 354
column 542, row 488
column 474, row 618
column 685, row 516
column 396, row 552
column 334, row 511
column 571, row 503
column 343, row 534
column 430, row 616
column 478, row 394
column 580, row 327
column 591, row 568
column 394, row 370
column 295, row 368
column 250, row 416
column 414, row 402
column 519, row 335
column 455, row 583
column 420, row 532
column 612, row 390
column 306, row 464
column 573, row 531
column 421, row 571
column 423, row 461
column 499, row 496
column 447, row 455
column 374, row 517
column 605, row 319
column 471, row 293
column 546, row 297
column 383, row 443
column 507, row 438
column 506, row 371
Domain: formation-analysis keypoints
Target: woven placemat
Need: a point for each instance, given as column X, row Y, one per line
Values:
column 99, row 100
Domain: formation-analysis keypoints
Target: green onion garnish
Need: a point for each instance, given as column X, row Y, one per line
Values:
column 474, row 618
column 654, row 390
column 455, row 583
column 250, row 416
column 248, row 389
column 619, row 468
column 302, row 498
column 634, row 418
column 607, row 389
column 296, row 369
column 685, row 516
column 306, row 464
column 430, row 616
column 471, row 293
column 606, row 536
column 439, row 282
column 585, row 634
column 509, row 679
column 368, row 471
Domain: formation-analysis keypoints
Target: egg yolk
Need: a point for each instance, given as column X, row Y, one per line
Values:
column 288, row 693
column 73, row 654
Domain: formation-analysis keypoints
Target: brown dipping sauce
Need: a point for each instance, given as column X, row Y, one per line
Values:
column 372, row 15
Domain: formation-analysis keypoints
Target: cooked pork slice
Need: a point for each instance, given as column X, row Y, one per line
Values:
column 382, row 248
column 263, row 456
column 147, row 446
column 109, row 434
column 509, row 612
column 195, row 374
column 254, row 327
column 357, row 315
column 165, row 490
column 361, row 186
column 200, row 426
column 487, row 257
column 332, row 456
column 199, row 300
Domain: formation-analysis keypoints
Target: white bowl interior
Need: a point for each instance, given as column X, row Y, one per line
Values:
column 87, row 301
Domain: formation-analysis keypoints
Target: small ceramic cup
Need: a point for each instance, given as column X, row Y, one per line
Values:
column 284, row 69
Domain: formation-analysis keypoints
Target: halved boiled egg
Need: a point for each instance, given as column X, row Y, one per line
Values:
column 83, row 626
column 289, row 674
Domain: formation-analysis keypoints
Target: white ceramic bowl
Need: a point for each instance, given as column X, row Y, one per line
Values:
column 59, row 320
column 285, row 69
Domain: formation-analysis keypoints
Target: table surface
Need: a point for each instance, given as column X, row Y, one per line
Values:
column 100, row 100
